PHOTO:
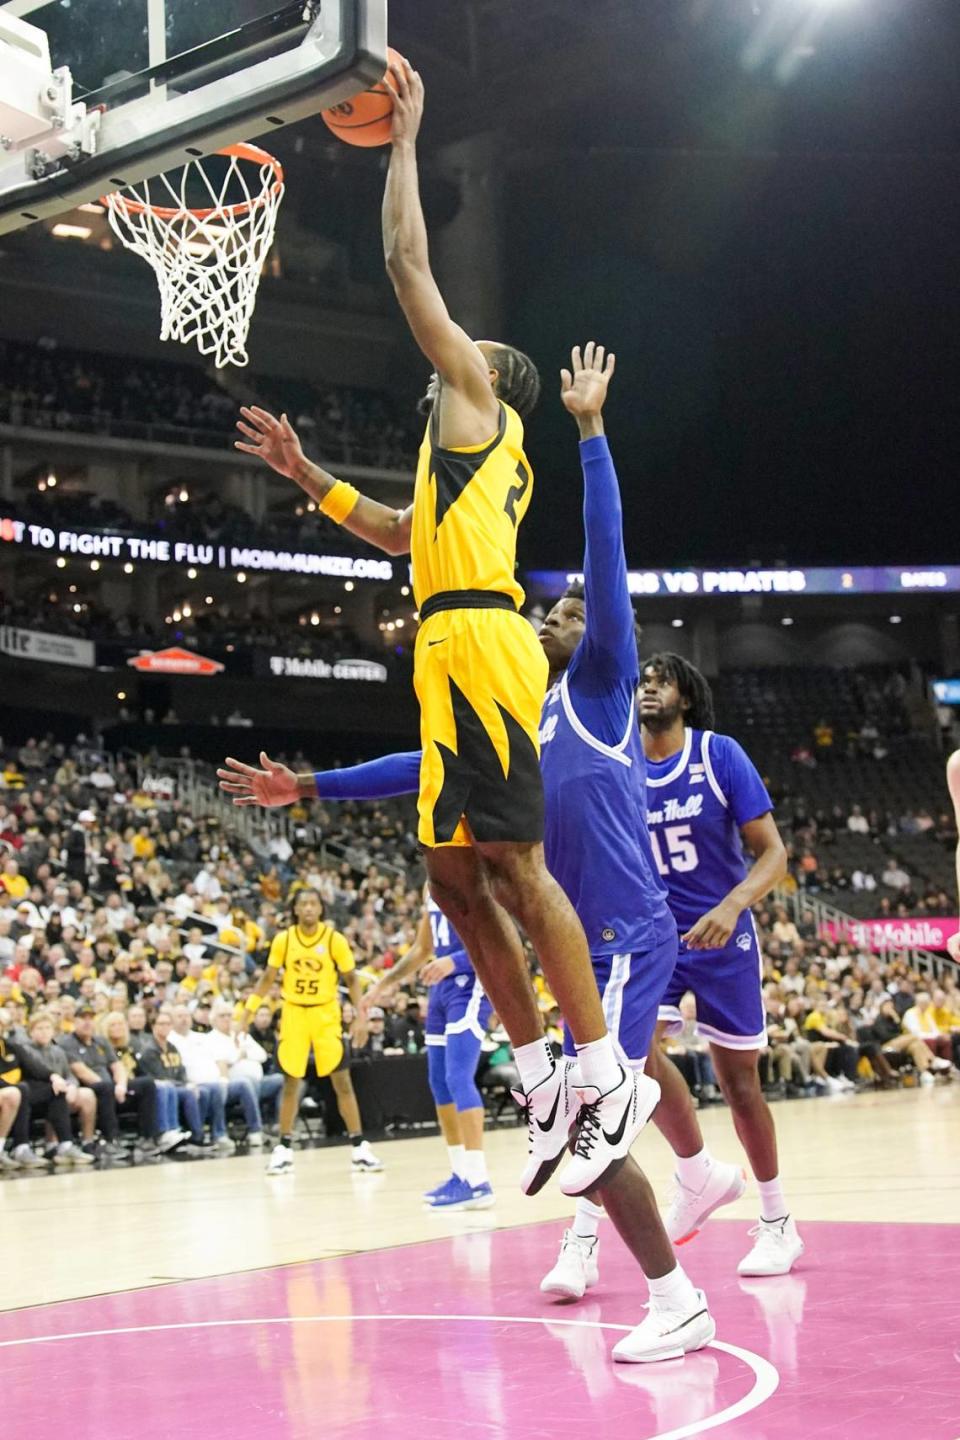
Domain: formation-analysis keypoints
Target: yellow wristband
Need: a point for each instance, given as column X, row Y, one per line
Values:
column 338, row 502
column 254, row 1002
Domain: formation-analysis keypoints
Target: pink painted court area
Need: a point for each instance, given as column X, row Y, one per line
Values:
column 452, row 1339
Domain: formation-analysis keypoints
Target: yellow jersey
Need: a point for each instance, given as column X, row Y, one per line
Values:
column 467, row 507
column 311, row 965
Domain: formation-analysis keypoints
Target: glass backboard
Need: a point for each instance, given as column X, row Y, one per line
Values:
column 165, row 80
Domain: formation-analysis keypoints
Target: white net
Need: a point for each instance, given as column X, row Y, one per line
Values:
column 207, row 256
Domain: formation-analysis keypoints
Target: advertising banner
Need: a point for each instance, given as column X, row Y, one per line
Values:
column 297, row 667
column 923, row 932
column 143, row 549
column 52, row 649
column 860, row 580
column 175, row 661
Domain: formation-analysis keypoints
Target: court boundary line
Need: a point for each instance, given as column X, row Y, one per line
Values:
column 766, row 1377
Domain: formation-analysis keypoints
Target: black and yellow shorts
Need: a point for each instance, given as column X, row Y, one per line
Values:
column 480, row 675
column 311, row 1027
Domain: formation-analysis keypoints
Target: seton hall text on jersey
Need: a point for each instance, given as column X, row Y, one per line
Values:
column 674, row 809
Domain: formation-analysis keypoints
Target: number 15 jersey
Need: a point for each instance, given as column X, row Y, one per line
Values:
column 311, row 964
column 697, row 801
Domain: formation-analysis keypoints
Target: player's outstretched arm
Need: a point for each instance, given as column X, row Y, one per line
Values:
column 470, row 407
column 953, row 783
column 610, row 639
column 276, row 784
column 278, row 445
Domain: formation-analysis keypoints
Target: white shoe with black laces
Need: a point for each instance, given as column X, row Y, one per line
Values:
column 776, row 1248
column 550, row 1107
column 577, row 1267
column 668, row 1334
column 606, row 1127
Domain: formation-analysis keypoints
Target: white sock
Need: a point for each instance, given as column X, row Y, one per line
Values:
column 535, row 1063
column 673, row 1291
column 598, row 1064
column 586, row 1220
column 456, row 1153
column 693, row 1171
column 475, row 1168
column 772, row 1204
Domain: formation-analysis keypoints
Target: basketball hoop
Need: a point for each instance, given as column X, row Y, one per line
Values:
column 207, row 260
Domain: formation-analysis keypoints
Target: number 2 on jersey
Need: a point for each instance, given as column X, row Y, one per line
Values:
column 681, row 851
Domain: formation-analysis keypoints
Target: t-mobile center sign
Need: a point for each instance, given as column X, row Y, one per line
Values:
column 922, row 932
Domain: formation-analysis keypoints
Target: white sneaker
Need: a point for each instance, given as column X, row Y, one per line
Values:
column 170, row 1139
column 776, row 1248
column 69, row 1153
column 690, row 1209
column 927, row 1078
column 668, row 1334
column 281, row 1160
column 550, row 1107
column 576, row 1268
column 940, row 1064
column 833, row 1084
column 255, row 1139
column 28, row 1158
column 607, row 1126
column 224, row 1145
column 363, row 1158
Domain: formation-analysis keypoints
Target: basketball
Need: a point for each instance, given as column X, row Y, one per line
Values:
column 364, row 119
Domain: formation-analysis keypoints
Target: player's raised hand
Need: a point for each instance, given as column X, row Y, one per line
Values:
column 273, row 784
column 406, row 87
column 272, row 440
column 583, row 388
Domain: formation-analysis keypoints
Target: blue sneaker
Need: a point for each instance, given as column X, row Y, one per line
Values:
column 439, row 1189
column 461, row 1196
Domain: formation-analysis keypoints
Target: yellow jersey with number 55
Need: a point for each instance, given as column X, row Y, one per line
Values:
column 467, row 507
column 311, row 964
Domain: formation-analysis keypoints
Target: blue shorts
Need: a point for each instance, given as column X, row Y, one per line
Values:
column 727, row 985
column 454, row 1005
column 631, row 987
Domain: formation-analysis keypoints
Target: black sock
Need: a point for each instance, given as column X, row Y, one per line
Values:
column 286, row 1141
column 355, row 1140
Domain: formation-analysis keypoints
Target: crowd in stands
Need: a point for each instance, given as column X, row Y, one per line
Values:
column 49, row 387
column 132, row 933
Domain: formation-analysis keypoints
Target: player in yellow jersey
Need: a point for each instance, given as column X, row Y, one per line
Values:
column 313, row 957
column 480, row 676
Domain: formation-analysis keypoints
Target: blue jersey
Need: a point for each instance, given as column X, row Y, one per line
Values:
column 594, row 773
column 447, row 944
column 696, row 803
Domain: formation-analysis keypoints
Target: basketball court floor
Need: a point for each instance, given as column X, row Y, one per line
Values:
column 206, row 1300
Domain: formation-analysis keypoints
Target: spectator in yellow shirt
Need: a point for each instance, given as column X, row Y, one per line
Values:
column 16, row 885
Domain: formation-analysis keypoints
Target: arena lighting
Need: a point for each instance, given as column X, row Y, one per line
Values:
column 311, row 507
column 186, row 611
column 404, row 589
column 314, row 618
column 73, row 589
column 338, row 609
column 177, row 616
column 208, row 599
column 677, row 624
column 399, row 624
column 191, row 573
column 94, row 564
column 51, row 481
column 91, row 208
column 121, row 694
column 896, row 619
column 61, row 563
column 72, row 232
column 183, row 496
column 348, row 585
column 786, row 620
column 242, row 577
column 128, row 568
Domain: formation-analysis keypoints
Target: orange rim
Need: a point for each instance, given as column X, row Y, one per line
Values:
column 242, row 151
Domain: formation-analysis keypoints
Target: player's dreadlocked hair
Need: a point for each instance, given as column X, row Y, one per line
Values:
column 518, row 380
column 691, row 684
column 575, row 591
